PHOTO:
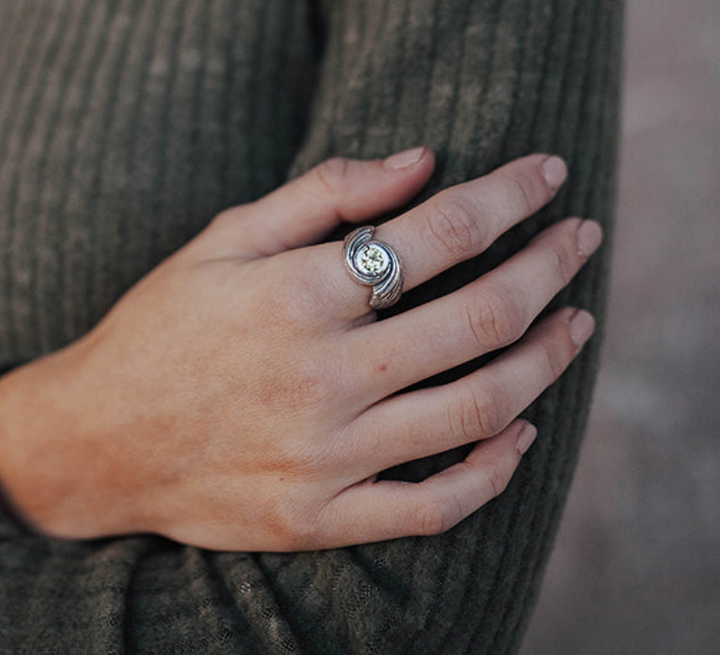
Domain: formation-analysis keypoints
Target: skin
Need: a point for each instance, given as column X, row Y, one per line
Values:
column 242, row 397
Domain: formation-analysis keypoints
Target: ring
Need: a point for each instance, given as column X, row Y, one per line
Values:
column 374, row 264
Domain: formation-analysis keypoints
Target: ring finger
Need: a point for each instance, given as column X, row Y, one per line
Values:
column 454, row 225
column 486, row 315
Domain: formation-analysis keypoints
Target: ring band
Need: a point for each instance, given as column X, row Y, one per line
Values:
column 374, row 264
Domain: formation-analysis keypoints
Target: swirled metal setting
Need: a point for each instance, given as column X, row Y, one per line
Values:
column 374, row 264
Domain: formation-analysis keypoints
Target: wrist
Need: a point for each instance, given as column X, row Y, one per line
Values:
column 51, row 462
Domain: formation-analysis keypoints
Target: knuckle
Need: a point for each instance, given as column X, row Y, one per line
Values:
column 431, row 520
column 228, row 219
column 495, row 478
column 331, row 174
column 225, row 216
column 526, row 190
column 437, row 515
column 557, row 354
column 455, row 224
column 495, row 319
column 481, row 414
column 294, row 525
column 563, row 263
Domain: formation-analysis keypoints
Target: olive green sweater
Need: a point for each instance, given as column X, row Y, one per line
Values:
column 125, row 125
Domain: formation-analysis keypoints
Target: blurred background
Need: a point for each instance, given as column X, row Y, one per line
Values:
column 636, row 567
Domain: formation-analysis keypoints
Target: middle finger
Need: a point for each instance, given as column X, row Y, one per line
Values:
column 488, row 314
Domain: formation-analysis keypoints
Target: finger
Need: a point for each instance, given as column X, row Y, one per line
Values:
column 454, row 225
column 486, row 315
column 306, row 209
column 376, row 511
column 420, row 423
column 463, row 221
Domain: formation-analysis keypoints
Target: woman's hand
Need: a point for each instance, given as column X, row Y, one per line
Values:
column 242, row 396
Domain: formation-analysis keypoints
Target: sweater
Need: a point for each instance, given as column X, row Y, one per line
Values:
column 126, row 125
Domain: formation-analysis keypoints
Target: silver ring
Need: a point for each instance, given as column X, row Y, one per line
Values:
column 374, row 264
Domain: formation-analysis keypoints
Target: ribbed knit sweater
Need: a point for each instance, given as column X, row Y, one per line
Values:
column 126, row 125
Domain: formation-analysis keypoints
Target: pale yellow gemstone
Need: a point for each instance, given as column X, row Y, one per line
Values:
column 372, row 260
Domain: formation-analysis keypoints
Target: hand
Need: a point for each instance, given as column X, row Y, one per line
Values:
column 243, row 397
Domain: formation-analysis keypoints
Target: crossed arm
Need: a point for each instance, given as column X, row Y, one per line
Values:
column 243, row 396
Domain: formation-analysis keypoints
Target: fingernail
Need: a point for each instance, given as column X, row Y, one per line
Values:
column 404, row 159
column 589, row 237
column 555, row 171
column 582, row 325
column 525, row 438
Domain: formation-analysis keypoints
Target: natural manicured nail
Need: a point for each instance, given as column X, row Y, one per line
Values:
column 582, row 325
column 404, row 159
column 589, row 237
column 525, row 438
column 555, row 171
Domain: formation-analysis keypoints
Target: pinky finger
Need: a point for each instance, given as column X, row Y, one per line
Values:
column 376, row 511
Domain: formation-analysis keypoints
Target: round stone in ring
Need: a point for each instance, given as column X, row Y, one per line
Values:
column 375, row 264
column 372, row 259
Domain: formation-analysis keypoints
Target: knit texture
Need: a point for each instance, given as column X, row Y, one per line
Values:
column 125, row 126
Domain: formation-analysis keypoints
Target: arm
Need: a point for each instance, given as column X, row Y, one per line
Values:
column 260, row 420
